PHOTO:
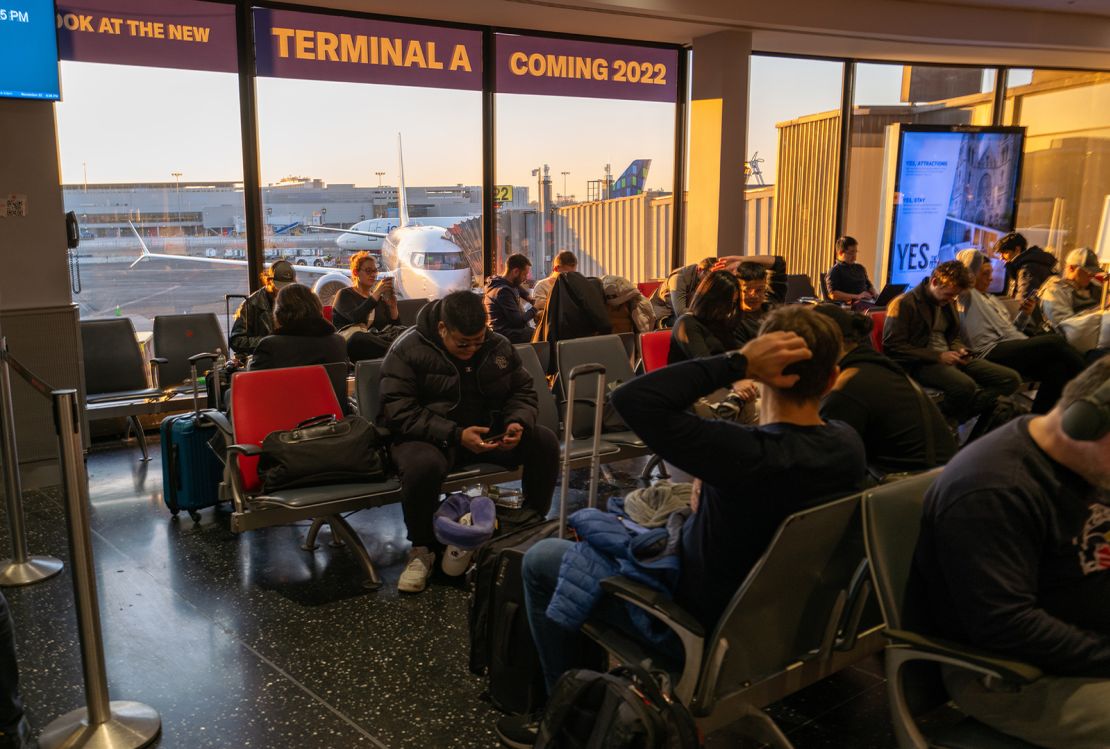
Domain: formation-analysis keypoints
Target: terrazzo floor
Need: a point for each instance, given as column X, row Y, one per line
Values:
column 247, row 641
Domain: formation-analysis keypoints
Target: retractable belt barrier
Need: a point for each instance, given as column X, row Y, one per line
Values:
column 101, row 724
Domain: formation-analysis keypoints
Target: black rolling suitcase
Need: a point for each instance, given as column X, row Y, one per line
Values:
column 501, row 642
column 191, row 472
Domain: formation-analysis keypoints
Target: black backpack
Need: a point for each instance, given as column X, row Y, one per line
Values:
column 623, row 709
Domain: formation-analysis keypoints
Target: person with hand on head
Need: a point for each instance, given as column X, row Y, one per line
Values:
column 847, row 280
column 254, row 319
column 444, row 383
column 922, row 334
column 753, row 477
column 369, row 302
column 671, row 298
column 503, row 300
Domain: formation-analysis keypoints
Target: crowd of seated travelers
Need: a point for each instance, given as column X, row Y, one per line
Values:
column 1014, row 552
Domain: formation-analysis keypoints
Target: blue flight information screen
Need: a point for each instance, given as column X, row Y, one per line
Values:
column 28, row 50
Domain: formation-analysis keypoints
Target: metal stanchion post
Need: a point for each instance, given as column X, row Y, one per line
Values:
column 21, row 569
column 100, row 724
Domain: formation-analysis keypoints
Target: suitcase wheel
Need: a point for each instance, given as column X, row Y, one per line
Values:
column 174, row 513
column 194, row 515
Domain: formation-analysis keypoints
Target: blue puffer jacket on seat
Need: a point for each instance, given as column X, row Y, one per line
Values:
column 607, row 548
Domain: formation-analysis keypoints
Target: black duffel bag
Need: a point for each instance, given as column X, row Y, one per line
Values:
column 322, row 450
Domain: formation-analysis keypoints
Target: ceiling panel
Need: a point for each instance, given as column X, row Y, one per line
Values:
column 1093, row 7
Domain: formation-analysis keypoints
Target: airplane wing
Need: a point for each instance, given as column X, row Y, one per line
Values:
column 146, row 253
column 351, row 231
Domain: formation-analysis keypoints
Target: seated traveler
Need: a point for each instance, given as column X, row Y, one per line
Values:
column 922, row 334
column 302, row 336
column 255, row 318
column 753, row 476
column 444, row 383
column 706, row 330
column 575, row 308
column 875, row 397
column 15, row 731
column 990, row 334
column 762, row 288
column 503, row 300
column 672, row 297
column 1073, row 304
column 1027, row 268
column 847, row 280
column 565, row 261
column 1014, row 559
column 369, row 303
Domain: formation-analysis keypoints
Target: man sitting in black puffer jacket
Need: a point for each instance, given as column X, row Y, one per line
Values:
column 444, row 384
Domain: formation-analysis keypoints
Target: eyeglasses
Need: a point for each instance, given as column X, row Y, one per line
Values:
column 464, row 345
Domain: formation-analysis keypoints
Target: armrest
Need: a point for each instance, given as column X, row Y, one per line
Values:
column 199, row 357
column 218, row 420
column 655, row 603
column 155, row 372
column 246, row 450
column 958, row 655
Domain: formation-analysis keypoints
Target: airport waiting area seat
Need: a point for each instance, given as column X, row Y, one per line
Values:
column 891, row 524
column 408, row 309
column 799, row 286
column 368, row 398
column 115, row 377
column 178, row 337
column 801, row 615
column 610, row 352
column 656, row 349
column 260, row 404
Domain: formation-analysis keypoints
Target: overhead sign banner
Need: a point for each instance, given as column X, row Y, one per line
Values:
column 185, row 34
column 315, row 46
column 955, row 189
column 569, row 67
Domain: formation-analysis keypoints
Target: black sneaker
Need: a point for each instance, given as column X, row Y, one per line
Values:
column 18, row 737
column 519, row 731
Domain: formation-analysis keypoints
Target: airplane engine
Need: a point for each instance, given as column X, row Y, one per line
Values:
column 330, row 284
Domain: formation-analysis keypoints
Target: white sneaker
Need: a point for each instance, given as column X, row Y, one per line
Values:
column 415, row 577
column 456, row 560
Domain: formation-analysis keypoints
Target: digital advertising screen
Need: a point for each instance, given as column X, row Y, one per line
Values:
column 28, row 50
column 955, row 188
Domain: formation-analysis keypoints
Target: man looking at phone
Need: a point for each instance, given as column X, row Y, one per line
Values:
column 922, row 333
column 443, row 384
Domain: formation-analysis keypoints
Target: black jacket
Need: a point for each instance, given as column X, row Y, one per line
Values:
column 420, row 384
column 875, row 397
column 575, row 309
column 692, row 338
column 1028, row 271
column 350, row 307
column 503, row 306
column 311, row 342
column 909, row 328
column 253, row 321
column 1013, row 557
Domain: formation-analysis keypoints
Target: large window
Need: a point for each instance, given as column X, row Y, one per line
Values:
column 885, row 94
column 339, row 99
column 1065, row 186
column 585, row 150
column 151, row 163
column 793, row 142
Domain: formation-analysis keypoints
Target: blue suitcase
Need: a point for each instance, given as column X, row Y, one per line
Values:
column 191, row 472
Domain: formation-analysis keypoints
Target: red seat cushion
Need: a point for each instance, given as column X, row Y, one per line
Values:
column 271, row 400
column 647, row 288
column 327, row 312
column 655, row 347
column 877, row 321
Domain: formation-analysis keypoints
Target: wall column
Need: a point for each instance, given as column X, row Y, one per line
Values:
column 718, row 141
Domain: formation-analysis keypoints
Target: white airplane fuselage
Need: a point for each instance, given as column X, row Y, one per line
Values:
column 424, row 263
column 358, row 242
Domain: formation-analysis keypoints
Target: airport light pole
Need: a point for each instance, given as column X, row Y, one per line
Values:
column 380, row 175
column 177, row 176
column 564, row 183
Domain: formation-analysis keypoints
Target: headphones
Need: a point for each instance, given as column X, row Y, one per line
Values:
column 1088, row 419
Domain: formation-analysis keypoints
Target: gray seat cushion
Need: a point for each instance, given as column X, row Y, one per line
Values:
column 316, row 495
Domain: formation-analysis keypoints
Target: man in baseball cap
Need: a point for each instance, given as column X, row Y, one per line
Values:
column 255, row 318
column 1073, row 303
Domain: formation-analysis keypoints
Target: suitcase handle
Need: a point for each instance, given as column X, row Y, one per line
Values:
column 193, row 370
column 595, row 450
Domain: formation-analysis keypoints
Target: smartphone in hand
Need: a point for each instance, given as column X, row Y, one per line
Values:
column 497, row 427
